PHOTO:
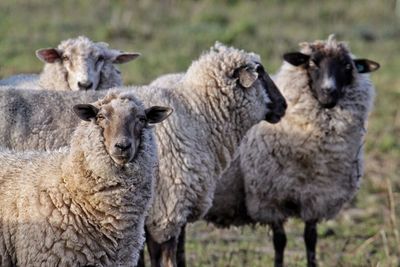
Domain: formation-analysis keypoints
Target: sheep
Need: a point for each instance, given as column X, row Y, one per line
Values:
column 76, row 64
column 205, row 146
column 221, row 96
column 83, row 205
column 311, row 163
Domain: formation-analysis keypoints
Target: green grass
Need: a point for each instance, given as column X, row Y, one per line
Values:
column 172, row 33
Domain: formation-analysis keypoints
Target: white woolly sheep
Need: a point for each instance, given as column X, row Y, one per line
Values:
column 76, row 64
column 85, row 205
column 216, row 101
column 311, row 163
column 222, row 95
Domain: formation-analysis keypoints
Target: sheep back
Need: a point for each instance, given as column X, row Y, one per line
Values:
column 21, row 81
column 39, row 119
column 167, row 80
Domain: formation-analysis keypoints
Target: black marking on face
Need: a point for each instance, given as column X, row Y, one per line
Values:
column 329, row 75
column 277, row 106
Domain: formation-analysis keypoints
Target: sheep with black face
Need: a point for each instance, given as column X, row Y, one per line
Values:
column 311, row 163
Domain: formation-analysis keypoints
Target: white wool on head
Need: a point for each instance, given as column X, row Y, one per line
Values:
column 331, row 45
column 218, row 64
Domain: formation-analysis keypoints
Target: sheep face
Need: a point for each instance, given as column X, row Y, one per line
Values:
column 122, row 122
column 329, row 76
column 330, row 73
column 84, row 69
column 254, row 77
column 81, row 61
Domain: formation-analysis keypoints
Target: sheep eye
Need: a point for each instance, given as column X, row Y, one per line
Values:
column 313, row 64
column 100, row 59
column 65, row 58
column 348, row 66
column 100, row 117
column 142, row 119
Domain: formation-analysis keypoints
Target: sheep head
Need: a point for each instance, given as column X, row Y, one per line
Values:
column 122, row 121
column 82, row 61
column 330, row 68
column 248, row 75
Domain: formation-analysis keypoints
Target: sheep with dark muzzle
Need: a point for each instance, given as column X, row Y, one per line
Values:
column 311, row 163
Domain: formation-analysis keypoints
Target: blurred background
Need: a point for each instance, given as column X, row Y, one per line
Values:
column 171, row 33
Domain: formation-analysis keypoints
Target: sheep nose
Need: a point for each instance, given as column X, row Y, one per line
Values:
column 329, row 90
column 123, row 146
column 85, row 85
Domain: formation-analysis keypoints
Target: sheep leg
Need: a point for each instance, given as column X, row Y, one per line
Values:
column 154, row 251
column 279, row 241
column 181, row 262
column 310, row 238
column 168, row 252
column 141, row 262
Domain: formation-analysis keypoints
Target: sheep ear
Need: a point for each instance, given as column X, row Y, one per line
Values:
column 125, row 57
column 366, row 65
column 246, row 76
column 157, row 114
column 296, row 58
column 48, row 55
column 86, row 111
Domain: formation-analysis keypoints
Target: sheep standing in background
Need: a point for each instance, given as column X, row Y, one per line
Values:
column 76, row 64
column 311, row 163
column 85, row 205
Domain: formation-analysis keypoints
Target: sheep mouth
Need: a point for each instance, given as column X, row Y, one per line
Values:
column 273, row 117
column 328, row 101
column 276, row 111
column 328, row 105
column 121, row 159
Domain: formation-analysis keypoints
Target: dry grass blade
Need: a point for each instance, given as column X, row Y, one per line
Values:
column 385, row 243
column 393, row 221
column 366, row 243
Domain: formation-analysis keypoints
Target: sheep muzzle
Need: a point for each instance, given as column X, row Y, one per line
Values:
column 277, row 106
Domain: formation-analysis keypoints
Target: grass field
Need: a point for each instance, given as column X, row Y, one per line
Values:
column 170, row 34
